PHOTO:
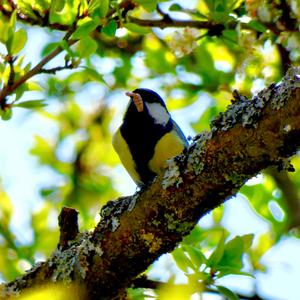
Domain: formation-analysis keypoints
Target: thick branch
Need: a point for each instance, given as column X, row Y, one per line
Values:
column 134, row 231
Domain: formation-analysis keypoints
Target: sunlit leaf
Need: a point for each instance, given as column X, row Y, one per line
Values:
column 196, row 255
column 6, row 114
column 49, row 48
column 227, row 292
column 148, row 5
column 217, row 254
column 84, row 29
column 86, row 47
column 32, row 104
column 182, row 261
column 175, row 7
column 103, row 8
column 110, row 28
column 19, row 41
column 136, row 28
column 257, row 26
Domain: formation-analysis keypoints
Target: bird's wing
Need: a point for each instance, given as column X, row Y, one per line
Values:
column 180, row 133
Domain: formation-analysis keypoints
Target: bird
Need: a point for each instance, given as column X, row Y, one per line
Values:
column 147, row 137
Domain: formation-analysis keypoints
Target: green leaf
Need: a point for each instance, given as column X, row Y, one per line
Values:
column 232, row 255
column 195, row 235
column 234, row 4
column 231, row 35
column 32, row 104
column 94, row 75
column 86, row 47
column 247, row 240
column 84, row 29
column 19, row 41
column 217, row 254
column 224, row 271
column 136, row 28
column 175, row 7
column 196, row 255
column 148, row 5
column 257, row 26
column 6, row 114
column 182, row 261
column 3, row 31
column 231, row 262
column 103, row 8
column 12, row 21
column 64, row 44
column 63, row 12
column 227, row 292
column 21, row 90
column 110, row 28
column 49, row 48
column 98, row 8
column 10, row 32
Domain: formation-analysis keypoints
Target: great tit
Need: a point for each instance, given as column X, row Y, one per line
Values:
column 148, row 136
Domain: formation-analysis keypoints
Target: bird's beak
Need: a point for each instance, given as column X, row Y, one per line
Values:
column 137, row 100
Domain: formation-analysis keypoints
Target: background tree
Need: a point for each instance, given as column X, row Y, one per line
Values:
column 195, row 54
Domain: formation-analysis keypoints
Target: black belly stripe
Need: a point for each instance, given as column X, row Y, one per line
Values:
column 142, row 134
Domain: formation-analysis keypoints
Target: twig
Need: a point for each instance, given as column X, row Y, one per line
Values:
column 68, row 65
column 127, row 4
column 165, row 16
column 164, row 23
column 35, row 70
column 144, row 282
column 11, row 77
column 68, row 224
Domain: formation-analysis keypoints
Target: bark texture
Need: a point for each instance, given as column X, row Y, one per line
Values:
column 249, row 136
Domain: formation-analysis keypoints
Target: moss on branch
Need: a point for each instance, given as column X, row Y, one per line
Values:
column 249, row 136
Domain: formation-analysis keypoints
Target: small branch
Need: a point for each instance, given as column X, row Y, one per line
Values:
column 68, row 224
column 8, row 89
column 168, row 22
column 145, row 283
column 68, row 65
column 34, row 71
column 165, row 16
column 11, row 78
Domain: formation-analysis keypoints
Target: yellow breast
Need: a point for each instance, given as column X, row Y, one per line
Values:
column 167, row 147
column 123, row 151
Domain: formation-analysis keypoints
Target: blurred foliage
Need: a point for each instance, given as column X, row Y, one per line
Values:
column 53, row 292
column 252, row 47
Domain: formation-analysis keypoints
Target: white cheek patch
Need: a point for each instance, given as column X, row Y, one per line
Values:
column 158, row 113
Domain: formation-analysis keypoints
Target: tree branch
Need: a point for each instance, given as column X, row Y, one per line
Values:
column 8, row 89
column 168, row 22
column 144, row 282
column 39, row 68
column 249, row 136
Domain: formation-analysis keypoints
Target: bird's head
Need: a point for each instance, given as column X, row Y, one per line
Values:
column 145, row 102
